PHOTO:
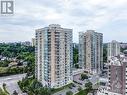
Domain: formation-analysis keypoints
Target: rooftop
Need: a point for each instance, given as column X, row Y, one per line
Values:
column 117, row 60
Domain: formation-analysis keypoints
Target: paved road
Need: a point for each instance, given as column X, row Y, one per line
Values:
column 11, row 82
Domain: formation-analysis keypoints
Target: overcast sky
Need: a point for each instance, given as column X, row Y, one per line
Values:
column 105, row 16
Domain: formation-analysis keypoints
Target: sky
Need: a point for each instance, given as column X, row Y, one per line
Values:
column 105, row 16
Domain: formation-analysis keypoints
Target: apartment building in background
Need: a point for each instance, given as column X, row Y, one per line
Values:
column 117, row 75
column 75, row 45
column 123, row 45
column 33, row 42
column 26, row 43
column 54, row 56
column 113, row 49
column 91, row 51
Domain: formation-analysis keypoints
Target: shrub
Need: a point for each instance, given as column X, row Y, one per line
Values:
column 69, row 93
column 79, row 88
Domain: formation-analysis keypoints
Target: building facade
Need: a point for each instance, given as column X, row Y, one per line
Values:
column 26, row 43
column 54, row 56
column 33, row 42
column 113, row 49
column 117, row 75
column 123, row 45
column 75, row 45
column 91, row 51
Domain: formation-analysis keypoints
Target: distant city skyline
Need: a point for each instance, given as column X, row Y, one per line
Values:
column 107, row 17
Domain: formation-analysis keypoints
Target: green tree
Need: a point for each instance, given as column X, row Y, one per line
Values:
column 88, row 85
column 32, row 87
column 6, row 53
column 84, row 76
column 75, row 55
column 4, row 63
column 105, row 52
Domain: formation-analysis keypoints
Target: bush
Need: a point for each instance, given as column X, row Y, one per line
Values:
column 73, row 85
column 79, row 88
column 69, row 93
column 15, row 93
column 77, row 66
column 4, row 84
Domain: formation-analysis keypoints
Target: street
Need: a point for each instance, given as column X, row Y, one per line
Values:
column 11, row 82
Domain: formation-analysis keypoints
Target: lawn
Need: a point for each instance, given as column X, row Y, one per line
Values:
column 82, row 92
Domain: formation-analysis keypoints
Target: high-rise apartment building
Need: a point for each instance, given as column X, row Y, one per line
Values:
column 117, row 75
column 54, row 56
column 91, row 51
column 113, row 49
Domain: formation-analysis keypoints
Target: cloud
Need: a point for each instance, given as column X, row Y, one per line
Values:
column 101, row 15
